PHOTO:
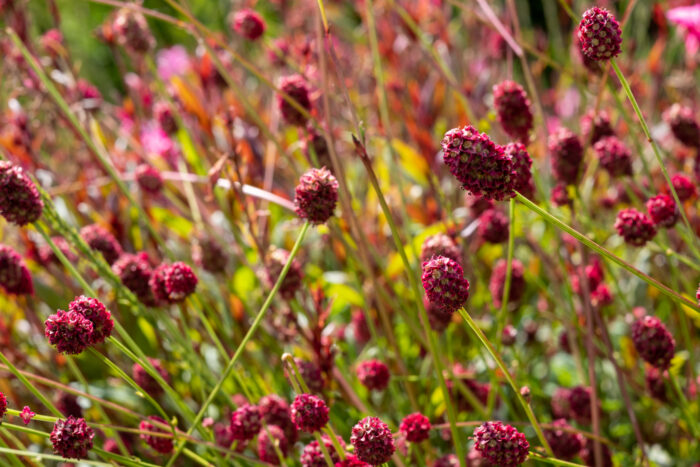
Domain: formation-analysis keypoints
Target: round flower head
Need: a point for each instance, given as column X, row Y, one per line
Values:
column 565, row 444
column 614, row 156
column 596, row 126
column 360, row 328
column 634, row 227
column 69, row 331
column 46, row 256
column 493, row 226
column 148, row 179
column 522, row 162
column 20, row 202
column 663, row 211
column 498, row 282
column 312, row 456
column 180, row 281
column 599, row 34
column 245, row 422
column 147, row 382
column 373, row 374
column 294, row 87
column 101, row 240
column 14, row 274
column 654, row 379
column 99, row 316
column 440, row 245
column 683, row 125
column 579, row 399
column 135, row 273
column 72, row 438
column 68, row 405
column 248, row 24
column 653, row 342
column 3, row 406
column 373, row 441
column 275, row 411
column 438, row 319
column 309, row 413
column 560, row 403
column 513, row 109
column 567, row 155
column 131, row 31
column 316, row 195
column 276, row 260
column 416, row 427
column 501, row 444
column 444, row 283
column 480, row 165
column 560, row 195
column 269, row 437
column 208, row 254
column 160, row 444
column 157, row 284
column 685, row 188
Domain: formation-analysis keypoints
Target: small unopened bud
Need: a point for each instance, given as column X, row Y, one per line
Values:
column 525, row 392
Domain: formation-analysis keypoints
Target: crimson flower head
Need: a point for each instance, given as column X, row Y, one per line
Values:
column 270, row 437
column 248, row 24
column 15, row 277
column 579, row 401
column 683, row 125
column 497, row 283
column 147, row 382
column 440, row 245
column 276, row 260
column 595, row 126
column 316, row 195
column 160, row 444
column 135, row 273
column 663, row 211
column 373, row 374
column 312, row 455
column 635, row 227
column 416, row 427
column 685, row 188
column 102, row 241
column 373, row 441
column 295, row 87
column 180, row 281
column 614, row 156
column 3, row 406
column 72, row 438
column 565, row 444
column 599, row 34
column 653, row 342
column 149, row 179
column 567, row 155
column 493, row 226
column 513, row 109
column 20, row 202
column 131, row 31
column 208, row 254
column 522, row 162
column 275, row 411
column 69, row 331
column 501, row 444
column 245, row 422
column 99, row 316
column 444, row 283
column 481, row 166
column 309, row 413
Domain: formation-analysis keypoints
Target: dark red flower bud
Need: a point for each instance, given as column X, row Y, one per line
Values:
column 599, row 34
column 493, row 226
column 72, row 438
column 501, row 444
column 135, row 273
column 161, row 444
column 444, row 283
column 245, row 422
column 20, row 202
column 276, row 260
column 248, row 24
column 440, row 245
column 663, row 211
column 131, row 31
column 415, row 427
column 373, row 374
column 614, row 156
column 69, row 331
column 15, row 277
column 567, row 156
column 564, row 443
column 635, row 227
column 596, row 126
column 270, row 437
column 316, row 195
column 294, row 87
column 513, row 109
column 373, row 441
column 101, row 240
column 683, row 125
column 685, row 188
column 312, row 456
column 653, row 342
column 149, row 179
column 147, row 382
column 309, row 413
column 497, row 283
column 99, row 316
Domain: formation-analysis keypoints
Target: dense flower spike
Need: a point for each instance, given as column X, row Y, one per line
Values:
column 276, row 259
column 595, row 126
column 565, row 444
column 635, row 227
column 316, row 195
column 208, row 254
column 180, row 281
column 599, row 34
column 663, row 211
column 683, row 125
column 522, row 162
column 148, row 179
column 493, row 226
column 444, row 283
column 439, row 319
column 295, row 87
column 3, row 406
column 20, row 202
column 513, row 109
column 567, row 155
column 69, row 331
column 72, row 438
column 685, row 188
column 160, row 444
column 309, row 413
column 15, row 277
column 245, row 422
column 480, row 165
column 248, row 24
column 614, row 156
column 147, row 382
column 268, row 438
column 560, row 195
column 416, row 427
column 157, row 284
column 99, row 316
column 312, row 455
column 653, row 342
column 440, row 245
column 498, row 282
column 373, row 374
column 501, row 444
column 131, row 31
column 135, row 273
column 373, row 441
column 579, row 399
column 101, row 240
column 275, row 411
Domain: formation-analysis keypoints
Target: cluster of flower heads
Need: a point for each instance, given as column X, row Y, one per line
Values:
column 87, row 322
column 167, row 283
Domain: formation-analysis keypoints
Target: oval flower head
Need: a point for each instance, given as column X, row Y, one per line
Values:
column 599, row 34
column 444, row 283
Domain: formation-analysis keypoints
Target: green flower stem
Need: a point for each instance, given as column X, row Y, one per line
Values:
column 492, row 352
column 254, row 326
column 607, row 254
column 509, row 275
column 549, row 460
column 657, row 153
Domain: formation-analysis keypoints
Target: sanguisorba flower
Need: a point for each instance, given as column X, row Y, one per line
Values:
column 493, row 226
column 20, row 202
column 565, row 444
column 497, row 283
column 131, row 31
column 99, row 316
column 147, row 382
column 522, row 162
column 3, row 406
column 180, row 281
column 163, row 445
column 567, row 155
column 135, row 273
column 416, row 427
column 149, row 179
column 663, row 210
column 683, row 125
column 72, row 438
column 513, row 109
column 373, row 374
column 295, row 88
column 444, row 283
column 316, row 195
column 15, row 277
column 614, row 156
column 270, row 439
column 275, row 261
column 635, row 227
column 653, row 341
column 309, row 413
column 599, row 34
column 440, row 245
column 501, row 444
column 69, row 331
column 595, row 126
column 248, row 24
column 101, row 240
column 480, row 165
column 685, row 188
column 312, row 455
column 373, row 441
column 245, row 422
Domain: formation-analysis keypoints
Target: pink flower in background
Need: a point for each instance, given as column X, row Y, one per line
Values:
column 688, row 18
column 172, row 62
column 155, row 141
